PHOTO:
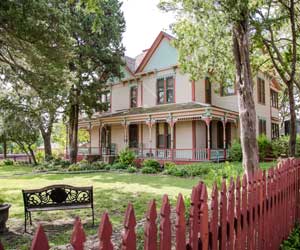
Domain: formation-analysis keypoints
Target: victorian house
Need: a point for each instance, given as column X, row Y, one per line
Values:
column 158, row 112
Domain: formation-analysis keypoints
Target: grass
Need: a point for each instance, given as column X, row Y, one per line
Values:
column 112, row 192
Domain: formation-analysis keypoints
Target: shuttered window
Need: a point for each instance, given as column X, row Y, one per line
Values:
column 274, row 99
column 261, row 93
column 262, row 127
column 133, row 96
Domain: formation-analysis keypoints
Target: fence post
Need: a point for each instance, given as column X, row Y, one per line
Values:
column 230, row 215
column 150, row 241
column 180, row 227
column 165, row 224
column 40, row 240
column 204, row 235
column 105, row 232
column 214, row 222
column 1, row 246
column 223, row 216
column 237, row 245
column 129, row 235
column 244, row 214
column 250, row 213
column 78, row 236
column 194, row 213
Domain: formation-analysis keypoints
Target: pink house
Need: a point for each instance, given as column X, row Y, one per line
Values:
column 158, row 112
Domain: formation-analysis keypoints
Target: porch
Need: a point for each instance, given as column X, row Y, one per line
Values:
column 190, row 133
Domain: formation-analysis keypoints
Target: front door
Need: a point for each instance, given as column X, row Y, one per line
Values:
column 133, row 136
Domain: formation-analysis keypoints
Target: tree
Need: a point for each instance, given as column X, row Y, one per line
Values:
column 21, row 130
column 34, row 55
column 213, row 40
column 277, row 29
column 98, row 52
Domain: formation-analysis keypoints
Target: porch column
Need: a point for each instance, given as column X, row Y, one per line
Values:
column 208, row 121
column 224, row 121
column 150, row 123
column 125, row 126
column 171, row 121
column 90, row 131
column 100, row 138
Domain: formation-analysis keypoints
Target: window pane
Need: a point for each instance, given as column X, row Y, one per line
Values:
column 160, row 91
column 170, row 90
column 133, row 97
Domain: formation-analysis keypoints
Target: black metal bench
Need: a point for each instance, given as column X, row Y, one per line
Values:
column 57, row 197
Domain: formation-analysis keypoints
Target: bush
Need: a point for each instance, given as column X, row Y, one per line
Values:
column 132, row 170
column 280, row 147
column 98, row 165
column 8, row 162
column 151, row 164
column 169, row 166
column 235, row 151
column 293, row 242
column 119, row 166
column 126, row 157
column 264, row 147
column 149, row 170
column 74, row 167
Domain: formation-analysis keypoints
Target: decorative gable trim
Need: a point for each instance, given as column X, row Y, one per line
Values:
column 152, row 49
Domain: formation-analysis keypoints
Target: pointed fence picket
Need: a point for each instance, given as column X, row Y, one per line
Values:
column 255, row 213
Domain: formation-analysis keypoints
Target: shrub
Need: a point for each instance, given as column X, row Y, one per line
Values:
column 74, row 167
column 264, row 147
column 151, row 164
column 98, row 165
column 132, row 169
column 293, row 241
column 149, row 170
column 169, row 165
column 126, row 157
column 108, row 167
column 8, row 162
column 119, row 166
column 40, row 156
column 280, row 147
column 235, row 151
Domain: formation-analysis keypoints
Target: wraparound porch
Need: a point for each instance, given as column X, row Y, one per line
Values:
column 197, row 134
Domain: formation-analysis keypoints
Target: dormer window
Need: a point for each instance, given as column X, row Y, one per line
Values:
column 133, row 96
column 165, row 90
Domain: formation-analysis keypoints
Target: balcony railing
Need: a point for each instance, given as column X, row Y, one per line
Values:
column 198, row 154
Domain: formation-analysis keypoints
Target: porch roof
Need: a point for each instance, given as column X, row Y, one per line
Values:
column 156, row 109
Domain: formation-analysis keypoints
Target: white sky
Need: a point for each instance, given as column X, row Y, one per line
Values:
column 143, row 23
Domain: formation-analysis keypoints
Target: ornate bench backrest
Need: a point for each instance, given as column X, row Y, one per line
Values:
column 57, row 196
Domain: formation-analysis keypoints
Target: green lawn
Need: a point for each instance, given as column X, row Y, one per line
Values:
column 112, row 192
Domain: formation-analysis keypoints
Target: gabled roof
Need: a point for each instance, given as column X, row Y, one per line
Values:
column 152, row 49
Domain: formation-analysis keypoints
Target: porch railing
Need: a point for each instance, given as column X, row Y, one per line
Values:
column 198, row 154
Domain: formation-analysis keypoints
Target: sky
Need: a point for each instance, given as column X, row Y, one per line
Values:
column 143, row 23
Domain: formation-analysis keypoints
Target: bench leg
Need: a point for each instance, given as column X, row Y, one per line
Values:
column 25, row 221
column 93, row 216
column 30, row 218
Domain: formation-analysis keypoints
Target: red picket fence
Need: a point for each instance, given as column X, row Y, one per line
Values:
column 252, row 214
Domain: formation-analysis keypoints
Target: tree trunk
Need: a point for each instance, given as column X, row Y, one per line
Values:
column 293, row 132
column 4, row 148
column 32, row 155
column 247, row 113
column 47, row 145
column 73, row 127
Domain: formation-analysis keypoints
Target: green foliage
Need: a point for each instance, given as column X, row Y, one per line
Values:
column 126, row 157
column 150, row 163
column 132, row 170
column 280, row 147
column 6, row 162
column 149, row 170
column 1, row 199
column 40, row 156
column 86, row 166
column 264, row 147
column 235, row 151
column 119, row 166
column 293, row 242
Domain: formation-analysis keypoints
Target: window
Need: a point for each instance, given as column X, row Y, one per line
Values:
column 228, row 88
column 262, row 127
column 261, row 94
column 104, row 102
column 133, row 96
column 163, row 135
column 274, row 99
column 207, row 91
column 275, row 130
column 165, row 90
